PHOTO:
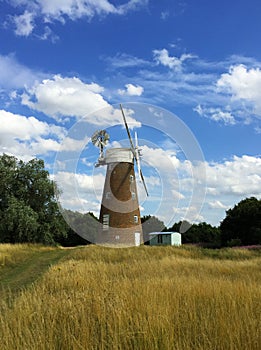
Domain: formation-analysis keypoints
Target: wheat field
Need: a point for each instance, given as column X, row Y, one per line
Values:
column 139, row 298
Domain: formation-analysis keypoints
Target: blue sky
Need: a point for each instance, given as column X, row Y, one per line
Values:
column 198, row 60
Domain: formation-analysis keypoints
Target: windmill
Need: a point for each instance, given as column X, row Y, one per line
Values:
column 120, row 214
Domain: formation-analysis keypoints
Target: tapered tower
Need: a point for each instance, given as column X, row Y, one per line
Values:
column 120, row 214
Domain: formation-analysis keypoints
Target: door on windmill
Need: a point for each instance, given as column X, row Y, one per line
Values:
column 137, row 239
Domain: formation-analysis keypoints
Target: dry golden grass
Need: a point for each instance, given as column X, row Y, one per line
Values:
column 140, row 298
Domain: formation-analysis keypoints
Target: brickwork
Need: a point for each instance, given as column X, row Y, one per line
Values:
column 120, row 213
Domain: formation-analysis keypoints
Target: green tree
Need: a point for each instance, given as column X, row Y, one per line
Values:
column 242, row 224
column 19, row 222
column 202, row 233
column 176, row 226
column 28, row 209
column 206, row 234
column 83, row 228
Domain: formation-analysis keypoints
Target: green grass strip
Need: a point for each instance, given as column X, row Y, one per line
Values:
column 16, row 277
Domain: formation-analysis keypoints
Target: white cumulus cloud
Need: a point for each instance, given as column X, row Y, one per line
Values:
column 65, row 97
column 163, row 57
column 75, row 9
column 132, row 90
column 226, row 183
column 27, row 137
column 242, row 84
column 239, row 177
column 53, row 10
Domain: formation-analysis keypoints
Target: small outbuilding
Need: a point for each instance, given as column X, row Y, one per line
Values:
column 165, row 238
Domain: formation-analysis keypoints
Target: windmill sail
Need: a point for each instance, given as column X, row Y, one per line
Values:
column 135, row 150
column 128, row 131
column 137, row 155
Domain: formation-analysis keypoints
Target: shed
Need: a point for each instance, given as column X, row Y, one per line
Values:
column 165, row 238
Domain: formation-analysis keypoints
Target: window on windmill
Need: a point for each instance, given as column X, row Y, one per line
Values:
column 131, row 178
column 136, row 219
column 133, row 195
column 105, row 222
column 108, row 195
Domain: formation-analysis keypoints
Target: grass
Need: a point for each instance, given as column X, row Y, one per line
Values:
column 22, row 264
column 139, row 298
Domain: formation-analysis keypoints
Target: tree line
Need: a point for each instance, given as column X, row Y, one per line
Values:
column 29, row 213
column 28, row 208
column 240, row 227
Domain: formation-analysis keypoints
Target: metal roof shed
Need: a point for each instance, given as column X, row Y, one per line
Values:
column 165, row 238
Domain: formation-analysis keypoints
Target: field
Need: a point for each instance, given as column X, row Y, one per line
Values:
column 136, row 298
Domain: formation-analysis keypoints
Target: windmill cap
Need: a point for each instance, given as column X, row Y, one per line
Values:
column 119, row 155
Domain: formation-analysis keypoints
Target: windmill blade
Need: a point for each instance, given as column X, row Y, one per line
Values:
column 143, row 181
column 137, row 155
column 141, row 177
column 128, row 132
column 135, row 150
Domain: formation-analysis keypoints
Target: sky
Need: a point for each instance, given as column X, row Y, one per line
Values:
column 188, row 74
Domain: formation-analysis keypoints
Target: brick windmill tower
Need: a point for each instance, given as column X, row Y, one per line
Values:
column 120, row 214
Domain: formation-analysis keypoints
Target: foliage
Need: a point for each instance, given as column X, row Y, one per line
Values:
column 242, row 224
column 28, row 209
column 19, row 222
column 202, row 233
column 83, row 228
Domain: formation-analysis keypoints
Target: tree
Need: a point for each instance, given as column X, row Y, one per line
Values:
column 202, row 233
column 176, row 226
column 28, row 209
column 19, row 222
column 242, row 224
column 83, row 228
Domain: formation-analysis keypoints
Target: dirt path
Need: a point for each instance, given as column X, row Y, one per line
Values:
column 15, row 278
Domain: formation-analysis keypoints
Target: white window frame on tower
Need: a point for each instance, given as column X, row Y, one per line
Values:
column 136, row 219
column 133, row 196
column 105, row 222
